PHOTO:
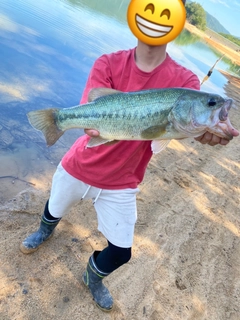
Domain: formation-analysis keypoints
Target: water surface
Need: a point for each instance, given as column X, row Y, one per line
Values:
column 47, row 50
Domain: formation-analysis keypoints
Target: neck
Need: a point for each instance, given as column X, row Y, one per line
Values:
column 148, row 57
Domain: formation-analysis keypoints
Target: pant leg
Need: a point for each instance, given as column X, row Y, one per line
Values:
column 117, row 215
column 66, row 191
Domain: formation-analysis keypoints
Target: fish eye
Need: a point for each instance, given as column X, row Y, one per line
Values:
column 166, row 12
column 151, row 7
column 212, row 102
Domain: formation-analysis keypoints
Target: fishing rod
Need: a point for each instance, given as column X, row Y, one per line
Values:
column 208, row 75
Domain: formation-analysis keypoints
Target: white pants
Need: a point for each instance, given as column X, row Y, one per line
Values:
column 116, row 209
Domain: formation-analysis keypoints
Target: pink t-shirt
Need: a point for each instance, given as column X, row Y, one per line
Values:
column 121, row 165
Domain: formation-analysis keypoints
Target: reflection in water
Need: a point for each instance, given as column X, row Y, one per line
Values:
column 112, row 8
column 47, row 50
column 235, row 69
column 186, row 38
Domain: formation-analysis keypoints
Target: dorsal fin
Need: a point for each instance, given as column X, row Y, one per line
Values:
column 100, row 92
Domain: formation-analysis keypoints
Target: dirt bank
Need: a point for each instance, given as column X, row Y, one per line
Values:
column 222, row 47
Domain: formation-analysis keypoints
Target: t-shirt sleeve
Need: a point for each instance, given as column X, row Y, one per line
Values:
column 192, row 82
column 99, row 77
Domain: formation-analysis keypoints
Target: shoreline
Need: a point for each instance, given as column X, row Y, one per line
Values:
column 230, row 53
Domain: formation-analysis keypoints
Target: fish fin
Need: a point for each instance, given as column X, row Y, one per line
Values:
column 97, row 141
column 159, row 145
column 96, row 93
column 45, row 121
column 153, row 132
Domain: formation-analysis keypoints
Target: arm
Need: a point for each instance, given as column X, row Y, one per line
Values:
column 100, row 76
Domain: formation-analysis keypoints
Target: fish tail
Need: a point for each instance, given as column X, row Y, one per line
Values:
column 45, row 121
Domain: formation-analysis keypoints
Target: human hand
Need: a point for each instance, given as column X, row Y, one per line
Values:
column 92, row 133
column 212, row 139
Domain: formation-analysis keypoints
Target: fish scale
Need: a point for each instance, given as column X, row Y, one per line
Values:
column 132, row 114
column 156, row 114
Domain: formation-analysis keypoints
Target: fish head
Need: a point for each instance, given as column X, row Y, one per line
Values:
column 197, row 112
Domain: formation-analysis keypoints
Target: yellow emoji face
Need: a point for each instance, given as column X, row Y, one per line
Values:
column 156, row 22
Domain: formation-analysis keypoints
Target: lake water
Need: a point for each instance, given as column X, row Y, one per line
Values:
column 47, row 50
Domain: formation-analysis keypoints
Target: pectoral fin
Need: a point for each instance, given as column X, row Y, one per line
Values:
column 96, row 141
column 153, row 132
column 159, row 145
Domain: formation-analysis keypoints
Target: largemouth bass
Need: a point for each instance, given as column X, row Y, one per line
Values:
column 157, row 114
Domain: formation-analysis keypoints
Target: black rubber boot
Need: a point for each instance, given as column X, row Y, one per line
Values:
column 45, row 231
column 92, row 278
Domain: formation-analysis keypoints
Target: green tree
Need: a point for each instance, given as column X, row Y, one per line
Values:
column 196, row 15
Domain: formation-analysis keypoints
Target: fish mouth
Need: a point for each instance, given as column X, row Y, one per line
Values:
column 150, row 29
column 223, row 127
column 223, row 114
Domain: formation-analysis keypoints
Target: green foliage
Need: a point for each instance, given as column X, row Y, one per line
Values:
column 196, row 15
column 231, row 38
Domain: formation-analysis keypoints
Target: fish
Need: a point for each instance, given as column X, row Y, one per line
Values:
column 159, row 115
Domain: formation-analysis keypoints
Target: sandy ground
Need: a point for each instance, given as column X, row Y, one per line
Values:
column 186, row 252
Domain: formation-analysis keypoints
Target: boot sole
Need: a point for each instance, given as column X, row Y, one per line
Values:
column 26, row 250
column 105, row 310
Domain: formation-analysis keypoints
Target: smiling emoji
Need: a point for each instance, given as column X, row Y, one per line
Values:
column 156, row 22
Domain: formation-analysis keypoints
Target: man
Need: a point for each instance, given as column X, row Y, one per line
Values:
column 110, row 174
